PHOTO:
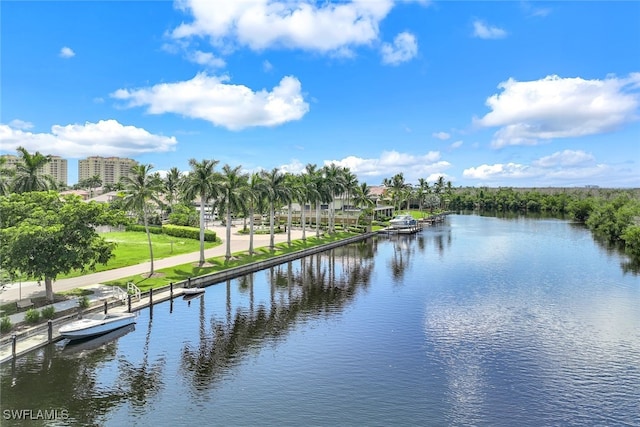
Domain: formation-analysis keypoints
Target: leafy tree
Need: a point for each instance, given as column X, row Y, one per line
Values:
column 27, row 177
column 141, row 188
column 203, row 182
column 43, row 235
column 183, row 214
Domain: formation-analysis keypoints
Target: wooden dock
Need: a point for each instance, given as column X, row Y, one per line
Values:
column 423, row 222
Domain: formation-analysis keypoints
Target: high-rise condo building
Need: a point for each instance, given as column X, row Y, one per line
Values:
column 56, row 168
column 109, row 169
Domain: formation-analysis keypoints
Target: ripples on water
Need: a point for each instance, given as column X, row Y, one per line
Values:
column 480, row 321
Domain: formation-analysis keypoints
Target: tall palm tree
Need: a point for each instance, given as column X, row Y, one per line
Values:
column 27, row 174
column 171, row 184
column 141, row 188
column 334, row 178
column 398, row 187
column 203, row 182
column 276, row 191
column 92, row 182
column 362, row 198
column 294, row 184
column 422, row 190
column 233, row 186
column 350, row 187
column 308, row 193
column 255, row 192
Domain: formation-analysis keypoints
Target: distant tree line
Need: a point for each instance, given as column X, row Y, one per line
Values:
column 611, row 214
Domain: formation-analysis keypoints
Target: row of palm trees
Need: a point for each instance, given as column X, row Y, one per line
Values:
column 401, row 193
column 233, row 192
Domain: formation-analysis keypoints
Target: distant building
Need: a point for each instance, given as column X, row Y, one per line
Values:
column 56, row 168
column 109, row 169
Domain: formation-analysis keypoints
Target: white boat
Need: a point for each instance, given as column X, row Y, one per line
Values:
column 81, row 346
column 403, row 221
column 96, row 324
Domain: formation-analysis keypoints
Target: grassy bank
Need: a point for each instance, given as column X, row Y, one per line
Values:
column 183, row 272
column 133, row 248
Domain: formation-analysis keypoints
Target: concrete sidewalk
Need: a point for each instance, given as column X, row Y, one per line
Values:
column 239, row 242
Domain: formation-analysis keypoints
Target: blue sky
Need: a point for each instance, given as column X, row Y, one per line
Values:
column 483, row 93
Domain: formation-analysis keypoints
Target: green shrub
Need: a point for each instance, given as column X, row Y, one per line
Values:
column 48, row 312
column 188, row 232
column 83, row 301
column 138, row 227
column 5, row 324
column 32, row 315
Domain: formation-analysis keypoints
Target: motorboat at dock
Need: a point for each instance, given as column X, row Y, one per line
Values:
column 96, row 324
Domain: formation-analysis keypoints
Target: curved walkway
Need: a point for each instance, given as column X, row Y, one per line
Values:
column 239, row 242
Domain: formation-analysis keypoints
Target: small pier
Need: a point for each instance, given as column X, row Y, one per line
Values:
column 423, row 222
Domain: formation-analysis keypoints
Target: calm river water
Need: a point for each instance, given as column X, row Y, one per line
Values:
column 479, row 321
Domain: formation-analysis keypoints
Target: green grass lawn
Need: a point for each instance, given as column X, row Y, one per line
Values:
column 133, row 248
column 183, row 272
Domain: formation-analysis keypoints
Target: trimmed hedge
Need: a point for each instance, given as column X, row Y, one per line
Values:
column 153, row 229
column 188, row 232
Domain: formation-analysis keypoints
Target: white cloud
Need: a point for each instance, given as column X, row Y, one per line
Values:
column 315, row 26
column 404, row 48
column 530, row 10
column 105, row 138
column 499, row 170
column 207, row 59
column 441, row 135
column 267, row 66
column 232, row 106
column 566, row 167
column 556, row 107
column 566, row 158
column 66, row 52
column 484, row 31
column 390, row 162
column 20, row 124
column 456, row 144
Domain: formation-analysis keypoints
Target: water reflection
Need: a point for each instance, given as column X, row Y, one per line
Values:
column 315, row 286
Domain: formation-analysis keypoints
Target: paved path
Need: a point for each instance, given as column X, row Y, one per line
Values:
column 239, row 242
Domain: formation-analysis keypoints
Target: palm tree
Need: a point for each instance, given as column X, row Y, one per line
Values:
column 422, row 190
column 92, row 182
column 141, row 187
column 203, row 182
column 255, row 192
column 350, row 187
column 28, row 177
column 362, row 198
column 6, row 175
column 398, row 188
column 171, row 184
column 334, row 178
column 276, row 191
column 308, row 193
column 294, row 184
column 233, row 186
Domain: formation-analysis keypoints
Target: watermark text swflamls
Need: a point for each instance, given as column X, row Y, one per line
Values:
column 35, row 414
